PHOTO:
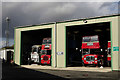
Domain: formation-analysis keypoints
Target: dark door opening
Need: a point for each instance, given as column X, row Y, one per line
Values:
column 9, row 56
column 74, row 40
column 29, row 41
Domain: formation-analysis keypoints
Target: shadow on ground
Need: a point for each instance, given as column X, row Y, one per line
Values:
column 15, row 72
column 10, row 72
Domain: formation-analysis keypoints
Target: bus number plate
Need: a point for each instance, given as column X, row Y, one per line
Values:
column 47, row 46
column 89, row 44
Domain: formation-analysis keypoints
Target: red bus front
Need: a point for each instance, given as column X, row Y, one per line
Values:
column 46, row 44
column 46, row 51
column 90, row 42
column 90, row 49
column 45, row 59
column 109, row 53
column 90, row 59
column 46, row 47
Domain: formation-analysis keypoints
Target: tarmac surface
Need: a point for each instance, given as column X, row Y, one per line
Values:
column 35, row 72
column 78, row 68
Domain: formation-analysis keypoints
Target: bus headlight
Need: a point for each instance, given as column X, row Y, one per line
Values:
column 84, row 58
column 95, row 58
column 95, row 61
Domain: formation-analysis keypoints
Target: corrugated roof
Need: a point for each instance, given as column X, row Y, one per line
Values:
column 70, row 20
column 9, row 47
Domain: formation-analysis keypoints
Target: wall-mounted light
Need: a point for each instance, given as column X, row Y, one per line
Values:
column 68, row 33
column 108, row 29
column 97, row 30
column 76, row 48
column 76, row 32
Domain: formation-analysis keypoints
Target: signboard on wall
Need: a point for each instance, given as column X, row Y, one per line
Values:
column 116, row 48
column 59, row 53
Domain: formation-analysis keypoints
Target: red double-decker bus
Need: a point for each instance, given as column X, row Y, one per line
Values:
column 46, row 51
column 45, row 56
column 46, row 44
column 91, row 51
column 109, row 53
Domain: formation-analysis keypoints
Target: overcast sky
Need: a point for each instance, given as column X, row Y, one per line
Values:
column 29, row 13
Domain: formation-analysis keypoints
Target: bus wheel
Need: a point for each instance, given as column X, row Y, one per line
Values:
column 29, row 62
column 85, row 65
column 99, row 64
column 38, row 63
column 109, row 64
column 82, row 64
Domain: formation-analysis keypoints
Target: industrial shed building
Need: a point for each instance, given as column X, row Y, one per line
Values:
column 6, row 53
column 60, row 33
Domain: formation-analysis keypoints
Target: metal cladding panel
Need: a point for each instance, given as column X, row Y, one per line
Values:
column 114, row 43
column 119, row 41
column 61, row 62
column 17, row 46
column 61, row 38
column 35, row 27
column 3, row 54
column 18, row 31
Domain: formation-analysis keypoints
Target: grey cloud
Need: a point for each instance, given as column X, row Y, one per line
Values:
column 119, row 7
column 106, row 4
column 27, row 13
column 60, row 0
